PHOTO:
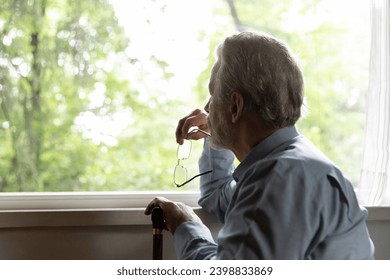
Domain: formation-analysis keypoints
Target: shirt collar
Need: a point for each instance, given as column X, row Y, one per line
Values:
column 265, row 147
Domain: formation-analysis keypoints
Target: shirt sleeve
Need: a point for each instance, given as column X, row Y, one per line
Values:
column 193, row 241
column 217, row 187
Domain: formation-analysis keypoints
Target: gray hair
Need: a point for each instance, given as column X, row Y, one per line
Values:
column 265, row 72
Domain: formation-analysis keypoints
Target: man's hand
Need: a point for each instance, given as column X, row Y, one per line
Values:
column 175, row 213
column 197, row 118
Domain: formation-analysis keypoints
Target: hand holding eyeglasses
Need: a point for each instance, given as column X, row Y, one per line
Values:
column 184, row 130
column 191, row 127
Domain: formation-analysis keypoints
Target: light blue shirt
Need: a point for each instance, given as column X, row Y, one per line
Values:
column 286, row 201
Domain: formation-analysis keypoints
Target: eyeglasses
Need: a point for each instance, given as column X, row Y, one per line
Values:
column 183, row 152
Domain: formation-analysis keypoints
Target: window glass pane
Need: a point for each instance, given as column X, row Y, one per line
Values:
column 91, row 91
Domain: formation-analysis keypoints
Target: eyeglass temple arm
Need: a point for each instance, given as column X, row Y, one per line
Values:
column 186, row 182
column 199, row 130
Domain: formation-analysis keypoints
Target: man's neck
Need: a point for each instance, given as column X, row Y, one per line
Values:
column 250, row 132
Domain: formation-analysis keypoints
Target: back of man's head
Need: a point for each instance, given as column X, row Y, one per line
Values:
column 265, row 72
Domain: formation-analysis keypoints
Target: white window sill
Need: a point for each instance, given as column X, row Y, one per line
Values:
column 19, row 210
column 89, row 200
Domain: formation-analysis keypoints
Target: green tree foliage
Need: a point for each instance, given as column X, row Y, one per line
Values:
column 61, row 63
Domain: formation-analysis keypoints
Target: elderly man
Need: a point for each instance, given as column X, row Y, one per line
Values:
column 285, row 200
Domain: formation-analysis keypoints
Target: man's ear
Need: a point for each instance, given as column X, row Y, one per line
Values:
column 236, row 106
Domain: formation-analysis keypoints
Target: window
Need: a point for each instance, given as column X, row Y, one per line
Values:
column 91, row 91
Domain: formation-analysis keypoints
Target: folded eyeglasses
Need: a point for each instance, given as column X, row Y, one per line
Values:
column 180, row 176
